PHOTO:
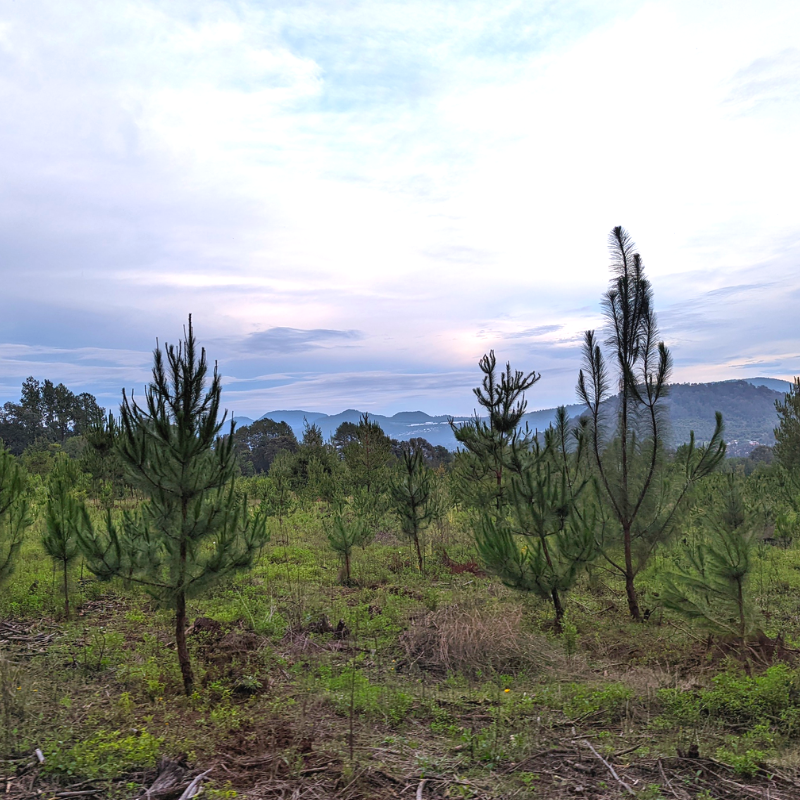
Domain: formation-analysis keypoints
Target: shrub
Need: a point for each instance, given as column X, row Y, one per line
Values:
column 455, row 639
column 741, row 701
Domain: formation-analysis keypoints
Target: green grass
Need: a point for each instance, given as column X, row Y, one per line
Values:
column 103, row 700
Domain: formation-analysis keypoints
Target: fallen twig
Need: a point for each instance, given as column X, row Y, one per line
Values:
column 194, row 786
column 610, row 769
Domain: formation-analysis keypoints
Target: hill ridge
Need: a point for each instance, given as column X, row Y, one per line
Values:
column 747, row 405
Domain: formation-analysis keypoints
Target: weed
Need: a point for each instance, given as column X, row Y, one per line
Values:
column 105, row 754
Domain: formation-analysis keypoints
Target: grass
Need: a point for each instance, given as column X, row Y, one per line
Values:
column 452, row 679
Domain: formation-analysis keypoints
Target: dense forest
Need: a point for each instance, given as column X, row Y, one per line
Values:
column 584, row 611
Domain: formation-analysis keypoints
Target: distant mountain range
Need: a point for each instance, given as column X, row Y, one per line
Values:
column 747, row 406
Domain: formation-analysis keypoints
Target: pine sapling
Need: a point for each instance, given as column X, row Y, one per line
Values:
column 194, row 528
column 713, row 586
column 65, row 517
column 344, row 534
column 413, row 500
column 14, row 511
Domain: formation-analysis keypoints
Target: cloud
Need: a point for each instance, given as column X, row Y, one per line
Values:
column 532, row 333
column 769, row 84
column 289, row 341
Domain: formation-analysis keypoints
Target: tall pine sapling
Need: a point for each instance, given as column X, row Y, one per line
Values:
column 65, row 517
column 412, row 497
column 367, row 457
column 194, row 527
column 629, row 457
column 14, row 511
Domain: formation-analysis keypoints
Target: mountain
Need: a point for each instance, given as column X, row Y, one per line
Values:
column 403, row 425
column 747, row 406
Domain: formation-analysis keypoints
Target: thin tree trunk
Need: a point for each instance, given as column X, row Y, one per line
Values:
column 419, row 550
column 66, row 592
column 180, row 609
column 740, row 599
column 180, row 641
column 347, row 568
column 558, row 622
column 630, row 588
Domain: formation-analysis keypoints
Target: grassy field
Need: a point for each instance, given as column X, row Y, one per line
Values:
column 409, row 685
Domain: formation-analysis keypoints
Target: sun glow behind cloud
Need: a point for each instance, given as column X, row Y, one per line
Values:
column 356, row 201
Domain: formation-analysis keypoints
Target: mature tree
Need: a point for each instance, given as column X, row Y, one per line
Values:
column 14, row 511
column 488, row 440
column 259, row 443
column 712, row 588
column 48, row 412
column 545, row 541
column 194, row 527
column 345, row 434
column 412, row 498
column 64, row 518
column 629, row 457
column 435, row 455
column 787, row 434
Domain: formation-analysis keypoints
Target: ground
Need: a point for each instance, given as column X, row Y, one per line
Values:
column 406, row 685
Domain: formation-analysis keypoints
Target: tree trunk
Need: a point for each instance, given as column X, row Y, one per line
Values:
column 630, row 589
column 740, row 601
column 558, row 622
column 419, row 551
column 347, row 568
column 180, row 641
column 66, row 593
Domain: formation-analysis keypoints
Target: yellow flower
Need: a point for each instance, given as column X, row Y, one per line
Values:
column 507, row 690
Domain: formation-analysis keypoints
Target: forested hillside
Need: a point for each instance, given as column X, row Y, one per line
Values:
column 749, row 411
column 747, row 406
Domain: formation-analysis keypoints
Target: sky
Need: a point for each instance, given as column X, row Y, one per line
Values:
column 357, row 200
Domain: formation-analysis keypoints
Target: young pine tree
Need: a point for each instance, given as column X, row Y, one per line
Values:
column 488, row 440
column 545, row 541
column 713, row 587
column 344, row 534
column 65, row 517
column 194, row 528
column 367, row 456
column 413, row 499
column 14, row 511
column 629, row 458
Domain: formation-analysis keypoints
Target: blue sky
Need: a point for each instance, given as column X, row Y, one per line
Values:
column 356, row 200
